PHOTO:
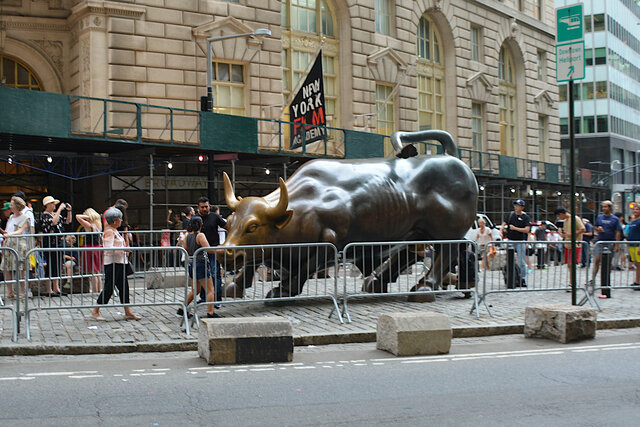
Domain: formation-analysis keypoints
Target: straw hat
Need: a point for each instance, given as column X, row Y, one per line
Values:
column 48, row 200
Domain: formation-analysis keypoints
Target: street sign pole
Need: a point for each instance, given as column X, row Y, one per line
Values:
column 572, row 192
column 570, row 67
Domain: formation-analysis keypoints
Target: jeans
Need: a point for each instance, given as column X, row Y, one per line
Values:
column 521, row 250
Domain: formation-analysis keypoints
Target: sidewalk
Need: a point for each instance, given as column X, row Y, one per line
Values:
column 74, row 331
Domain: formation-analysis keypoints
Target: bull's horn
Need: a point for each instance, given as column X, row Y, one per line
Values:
column 281, row 207
column 229, row 195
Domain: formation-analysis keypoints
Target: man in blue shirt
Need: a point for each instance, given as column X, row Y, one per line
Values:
column 634, row 248
column 609, row 229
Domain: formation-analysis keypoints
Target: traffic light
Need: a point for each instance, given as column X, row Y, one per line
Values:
column 201, row 157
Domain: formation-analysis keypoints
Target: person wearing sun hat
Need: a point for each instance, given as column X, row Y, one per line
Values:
column 52, row 222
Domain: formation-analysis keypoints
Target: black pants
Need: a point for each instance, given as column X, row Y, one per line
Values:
column 114, row 276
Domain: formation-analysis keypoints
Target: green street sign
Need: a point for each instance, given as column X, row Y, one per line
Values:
column 570, row 23
column 570, row 61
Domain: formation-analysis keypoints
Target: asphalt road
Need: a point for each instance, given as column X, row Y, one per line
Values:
column 499, row 381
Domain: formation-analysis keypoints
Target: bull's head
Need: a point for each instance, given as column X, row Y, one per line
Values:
column 254, row 220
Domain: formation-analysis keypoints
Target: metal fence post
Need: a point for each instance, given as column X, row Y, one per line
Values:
column 605, row 272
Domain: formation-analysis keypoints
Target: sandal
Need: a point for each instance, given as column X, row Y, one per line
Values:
column 131, row 317
column 97, row 317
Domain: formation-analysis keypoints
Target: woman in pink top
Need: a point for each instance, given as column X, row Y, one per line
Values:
column 114, row 266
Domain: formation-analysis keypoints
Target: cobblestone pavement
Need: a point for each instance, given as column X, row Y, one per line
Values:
column 308, row 317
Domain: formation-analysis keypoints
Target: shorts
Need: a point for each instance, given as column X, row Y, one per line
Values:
column 567, row 254
column 597, row 249
column 633, row 253
column 202, row 270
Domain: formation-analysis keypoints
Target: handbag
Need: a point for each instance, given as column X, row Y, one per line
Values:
column 129, row 271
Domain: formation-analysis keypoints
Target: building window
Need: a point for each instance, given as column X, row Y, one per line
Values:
column 299, row 19
column 383, row 16
column 521, row 5
column 228, row 88
column 13, row 73
column 598, row 22
column 602, row 124
column 601, row 90
column 587, row 23
column 587, row 90
column 562, row 93
column 507, row 106
column 541, row 63
column 428, row 41
column 588, row 56
column 589, row 124
column 477, row 126
column 475, row 43
column 601, row 55
column 542, row 138
column 430, row 77
column 564, row 126
column 385, row 116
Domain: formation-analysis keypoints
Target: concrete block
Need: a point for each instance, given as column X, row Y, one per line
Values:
column 162, row 278
column 245, row 340
column 412, row 334
column 562, row 323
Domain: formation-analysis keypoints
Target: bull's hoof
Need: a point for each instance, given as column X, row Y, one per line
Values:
column 274, row 294
column 373, row 285
column 422, row 294
column 232, row 290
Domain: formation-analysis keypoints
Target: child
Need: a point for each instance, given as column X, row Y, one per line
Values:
column 70, row 258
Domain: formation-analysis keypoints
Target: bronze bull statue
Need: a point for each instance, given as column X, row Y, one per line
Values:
column 364, row 200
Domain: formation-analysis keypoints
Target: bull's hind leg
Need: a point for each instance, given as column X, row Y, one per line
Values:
column 388, row 271
column 444, row 255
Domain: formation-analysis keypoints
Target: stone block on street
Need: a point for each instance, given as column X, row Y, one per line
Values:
column 562, row 323
column 163, row 278
column 412, row 334
column 245, row 340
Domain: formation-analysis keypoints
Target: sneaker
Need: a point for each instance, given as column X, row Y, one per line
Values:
column 180, row 312
column 213, row 316
column 635, row 286
column 603, row 296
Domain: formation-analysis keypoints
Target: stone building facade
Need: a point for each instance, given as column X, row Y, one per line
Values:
column 482, row 70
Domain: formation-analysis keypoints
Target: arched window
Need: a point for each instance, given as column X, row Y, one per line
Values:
column 430, row 69
column 304, row 24
column 13, row 73
column 508, row 113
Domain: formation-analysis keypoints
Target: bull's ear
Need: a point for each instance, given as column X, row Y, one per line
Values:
column 284, row 219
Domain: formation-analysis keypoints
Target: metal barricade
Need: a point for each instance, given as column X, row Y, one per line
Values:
column 616, row 270
column 503, row 271
column 10, row 298
column 148, row 286
column 272, row 274
column 402, row 268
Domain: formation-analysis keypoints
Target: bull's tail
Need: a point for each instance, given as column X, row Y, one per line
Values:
column 400, row 138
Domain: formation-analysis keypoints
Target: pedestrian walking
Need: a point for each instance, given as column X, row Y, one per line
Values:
column 114, row 266
column 515, row 228
column 634, row 248
column 210, row 223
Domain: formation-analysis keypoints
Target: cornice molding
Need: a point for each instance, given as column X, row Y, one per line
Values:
column 108, row 8
column 22, row 24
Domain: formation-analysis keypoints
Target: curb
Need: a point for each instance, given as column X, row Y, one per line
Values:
column 303, row 340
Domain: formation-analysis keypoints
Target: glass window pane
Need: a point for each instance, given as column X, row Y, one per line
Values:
column 601, row 90
column 224, row 96
column 237, row 97
column 589, row 125
column 598, row 22
column 23, row 75
column 562, row 92
column 236, row 73
column 8, row 68
column 223, row 72
column 602, row 124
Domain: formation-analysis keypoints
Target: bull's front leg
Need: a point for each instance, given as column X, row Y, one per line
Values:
column 389, row 271
column 242, row 280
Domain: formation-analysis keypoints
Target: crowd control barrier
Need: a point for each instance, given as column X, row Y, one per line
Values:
column 272, row 274
column 616, row 270
column 546, row 268
column 9, row 300
column 401, row 268
column 148, row 286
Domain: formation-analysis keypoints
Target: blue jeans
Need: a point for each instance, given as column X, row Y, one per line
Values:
column 521, row 251
column 217, row 277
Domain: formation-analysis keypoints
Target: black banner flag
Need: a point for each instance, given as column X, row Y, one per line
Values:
column 308, row 108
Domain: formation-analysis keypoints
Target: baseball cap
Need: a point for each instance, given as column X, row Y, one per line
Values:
column 5, row 206
column 607, row 202
column 519, row 202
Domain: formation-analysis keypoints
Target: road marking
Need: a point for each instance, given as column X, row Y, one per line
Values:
column 502, row 356
column 359, row 364
column 240, row 370
column 425, row 360
column 17, row 378
column 85, row 376
column 216, row 372
column 377, row 363
column 52, row 374
column 304, row 367
column 199, row 369
column 148, row 374
column 161, row 369
column 262, row 369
